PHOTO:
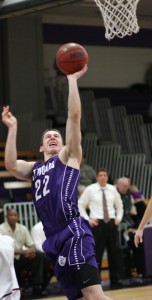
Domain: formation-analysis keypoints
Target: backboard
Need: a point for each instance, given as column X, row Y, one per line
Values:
column 11, row 8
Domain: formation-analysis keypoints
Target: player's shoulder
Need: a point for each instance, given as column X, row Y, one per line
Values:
column 70, row 157
column 38, row 164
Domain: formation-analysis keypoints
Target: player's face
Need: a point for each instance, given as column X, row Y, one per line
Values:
column 52, row 143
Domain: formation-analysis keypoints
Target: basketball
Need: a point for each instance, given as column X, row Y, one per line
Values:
column 71, row 58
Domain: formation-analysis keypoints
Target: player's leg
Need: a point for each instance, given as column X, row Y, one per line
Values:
column 89, row 281
column 94, row 292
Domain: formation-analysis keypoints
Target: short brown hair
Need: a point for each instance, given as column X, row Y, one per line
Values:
column 46, row 130
column 102, row 170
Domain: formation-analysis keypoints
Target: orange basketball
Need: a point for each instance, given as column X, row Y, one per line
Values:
column 71, row 58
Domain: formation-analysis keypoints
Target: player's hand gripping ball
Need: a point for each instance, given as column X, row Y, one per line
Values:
column 71, row 58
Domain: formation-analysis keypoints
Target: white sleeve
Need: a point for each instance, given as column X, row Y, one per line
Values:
column 83, row 203
column 38, row 237
column 118, row 206
column 8, row 281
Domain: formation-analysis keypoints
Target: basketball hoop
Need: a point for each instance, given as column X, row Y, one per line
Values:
column 119, row 17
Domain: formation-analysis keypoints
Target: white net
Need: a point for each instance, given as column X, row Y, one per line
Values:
column 119, row 17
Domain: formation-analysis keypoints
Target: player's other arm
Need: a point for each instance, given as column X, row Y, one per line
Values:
column 19, row 168
column 138, row 238
column 73, row 132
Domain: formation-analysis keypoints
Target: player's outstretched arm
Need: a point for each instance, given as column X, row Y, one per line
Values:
column 73, row 131
column 138, row 238
column 19, row 168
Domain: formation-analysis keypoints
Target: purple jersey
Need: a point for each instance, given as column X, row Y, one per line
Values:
column 55, row 193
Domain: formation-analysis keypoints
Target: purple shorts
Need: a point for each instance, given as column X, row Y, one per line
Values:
column 69, row 250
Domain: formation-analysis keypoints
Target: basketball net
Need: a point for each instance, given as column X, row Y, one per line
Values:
column 119, row 17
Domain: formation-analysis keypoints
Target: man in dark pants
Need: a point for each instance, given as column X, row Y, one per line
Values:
column 104, row 221
column 131, row 219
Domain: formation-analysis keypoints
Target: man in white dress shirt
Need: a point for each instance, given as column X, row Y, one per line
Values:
column 104, row 228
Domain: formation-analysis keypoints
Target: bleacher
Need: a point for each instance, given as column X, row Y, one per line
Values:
column 112, row 137
column 11, row 188
column 116, row 131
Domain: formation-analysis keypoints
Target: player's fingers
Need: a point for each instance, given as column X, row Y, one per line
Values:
column 10, row 114
column 136, row 241
column 5, row 108
column 5, row 111
column 84, row 69
column 136, row 244
column 81, row 72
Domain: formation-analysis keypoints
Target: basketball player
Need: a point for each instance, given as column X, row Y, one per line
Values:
column 9, row 288
column 138, row 238
column 69, row 242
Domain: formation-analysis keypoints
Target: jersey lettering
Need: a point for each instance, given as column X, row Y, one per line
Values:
column 45, row 190
column 45, row 182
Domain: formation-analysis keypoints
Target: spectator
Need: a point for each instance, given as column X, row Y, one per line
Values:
column 131, row 219
column 8, row 281
column 105, row 231
column 138, row 200
column 130, row 212
column 26, row 257
column 38, row 237
column 87, row 175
